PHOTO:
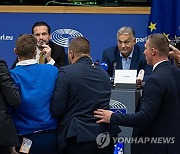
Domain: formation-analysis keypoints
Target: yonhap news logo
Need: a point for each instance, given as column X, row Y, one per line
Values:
column 62, row 36
column 144, row 140
column 103, row 140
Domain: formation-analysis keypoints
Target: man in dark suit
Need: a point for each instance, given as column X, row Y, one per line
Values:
column 81, row 88
column 9, row 95
column 158, row 116
column 126, row 55
column 47, row 51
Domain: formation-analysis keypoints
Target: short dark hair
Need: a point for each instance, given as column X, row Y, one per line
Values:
column 160, row 42
column 26, row 46
column 80, row 45
column 41, row 23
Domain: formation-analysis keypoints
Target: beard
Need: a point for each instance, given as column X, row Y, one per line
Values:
column 41, row 43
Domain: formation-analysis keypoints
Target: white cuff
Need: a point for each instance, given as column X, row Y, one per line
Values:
column 51, row 62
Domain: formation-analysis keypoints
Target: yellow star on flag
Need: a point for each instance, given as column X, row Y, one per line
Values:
column 167, row 35
column 152, row 26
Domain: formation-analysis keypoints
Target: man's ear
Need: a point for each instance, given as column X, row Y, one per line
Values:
column 71, row 54
column 15, row 51
column 153, row 52
column 134, row 40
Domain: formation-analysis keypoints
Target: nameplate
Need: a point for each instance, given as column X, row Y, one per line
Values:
column 125, row 79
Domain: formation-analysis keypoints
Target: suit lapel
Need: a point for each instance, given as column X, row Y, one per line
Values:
column 118, row 59
column 134, row 60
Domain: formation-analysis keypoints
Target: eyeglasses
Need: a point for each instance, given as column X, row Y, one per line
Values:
column 125, row 42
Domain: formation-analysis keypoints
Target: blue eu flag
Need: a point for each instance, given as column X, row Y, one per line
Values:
column 165, row 18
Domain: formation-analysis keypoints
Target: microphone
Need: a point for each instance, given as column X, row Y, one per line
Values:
column 113, row 73
column 141, row 74
column 139, row 79
column 104, row 66
column 114, row 68
column 97, row 62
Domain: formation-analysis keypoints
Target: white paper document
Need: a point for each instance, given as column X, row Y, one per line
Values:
column 125, row 76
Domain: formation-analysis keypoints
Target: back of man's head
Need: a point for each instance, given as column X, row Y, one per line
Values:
column 160, row 42
column 80, row 45
column 26, row 46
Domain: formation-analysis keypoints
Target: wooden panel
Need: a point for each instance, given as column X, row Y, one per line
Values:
column 75, row 9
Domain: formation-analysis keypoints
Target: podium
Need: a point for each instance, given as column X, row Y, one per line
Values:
column 125, row 101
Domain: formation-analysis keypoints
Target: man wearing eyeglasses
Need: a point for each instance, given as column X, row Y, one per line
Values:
column 126, row 55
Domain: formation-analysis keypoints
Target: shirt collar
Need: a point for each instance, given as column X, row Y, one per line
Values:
column 26, row 62
column 38, row 51
column 158, row 64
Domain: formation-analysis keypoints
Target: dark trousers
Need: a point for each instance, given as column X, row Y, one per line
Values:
column 43, row 142
column 4, row 150
column 90, row 147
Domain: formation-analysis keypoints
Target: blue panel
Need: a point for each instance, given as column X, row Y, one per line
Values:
column 99, row 29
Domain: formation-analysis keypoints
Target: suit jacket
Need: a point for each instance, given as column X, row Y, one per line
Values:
column 57, row 53
column 8, row 95
column 159, row 112
column 138, row 62
column 81, row 88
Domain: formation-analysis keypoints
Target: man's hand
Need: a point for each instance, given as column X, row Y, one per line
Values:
column 139, row 83
column 175, row 53
column 13, row 150
column 103, row 115
column 47, row 51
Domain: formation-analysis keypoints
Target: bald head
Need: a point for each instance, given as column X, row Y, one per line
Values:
column 78, row 47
